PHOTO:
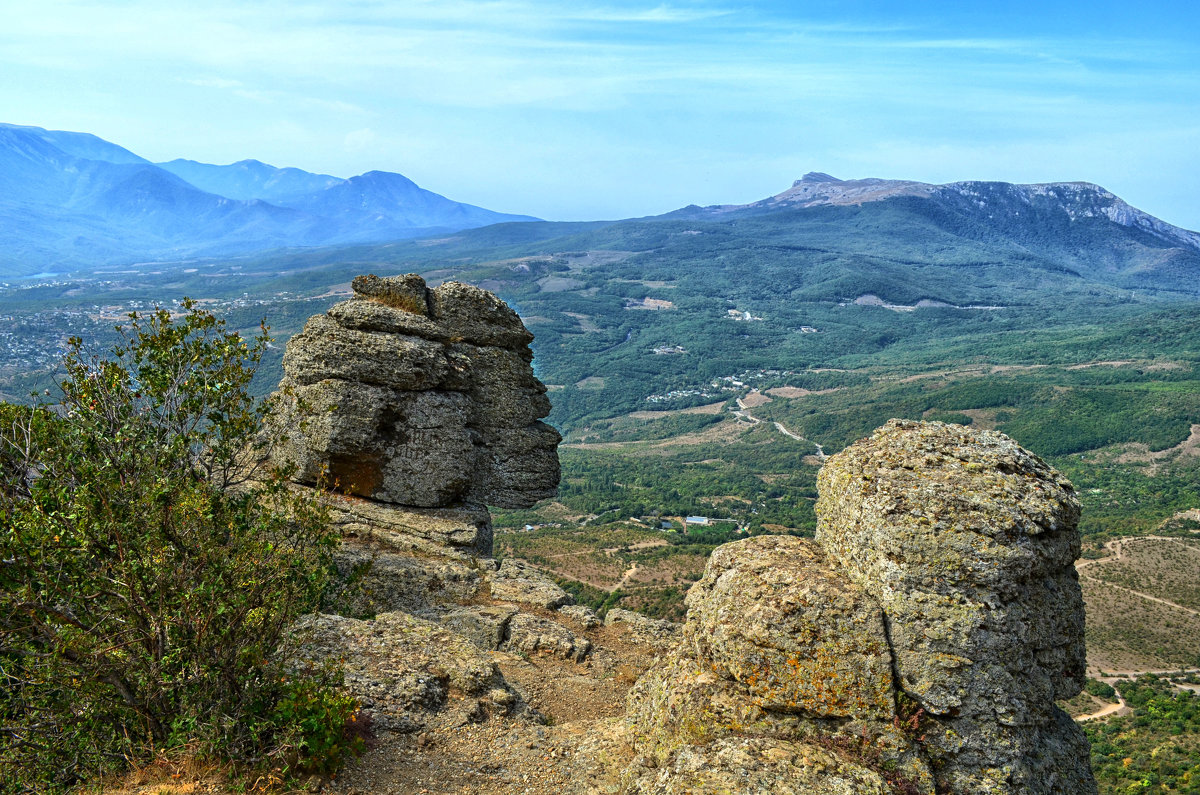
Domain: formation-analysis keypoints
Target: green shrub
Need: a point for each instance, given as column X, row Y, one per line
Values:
column 151, row 564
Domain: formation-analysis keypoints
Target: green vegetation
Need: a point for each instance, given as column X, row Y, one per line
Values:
column 1156, row 750
column 150, row 568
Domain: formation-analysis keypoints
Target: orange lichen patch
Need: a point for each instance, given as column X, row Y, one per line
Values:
column 406, row 303
column 830, row 680
column 804, row 640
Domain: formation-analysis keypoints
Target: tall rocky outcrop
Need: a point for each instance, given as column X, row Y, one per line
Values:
column 418, row 397
column 968, row 542
column 414, row 409
column 916, row 646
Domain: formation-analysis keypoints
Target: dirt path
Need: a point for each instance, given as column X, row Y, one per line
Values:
column 1117, row 549
column 1122, row 708
column 746, row 415
column 1119, row 708
column 632, row 570
column 1145, row 596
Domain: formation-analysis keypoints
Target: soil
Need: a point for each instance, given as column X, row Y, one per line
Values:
column 506, row 755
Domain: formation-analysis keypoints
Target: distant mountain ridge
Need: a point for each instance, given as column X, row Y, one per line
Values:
column 71, row 200
column 249, row 179
column 1076, row 199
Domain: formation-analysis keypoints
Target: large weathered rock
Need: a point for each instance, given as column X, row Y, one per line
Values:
column 463, row 531
column 769, row 614
column 657, row 633
column 517, row 581
column 780, row 651
column 417, row 397
column 967, row 542
column 923, row 637
column 758, row 764
column 535, row 635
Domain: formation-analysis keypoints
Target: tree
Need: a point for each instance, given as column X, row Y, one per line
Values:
column 151, row 563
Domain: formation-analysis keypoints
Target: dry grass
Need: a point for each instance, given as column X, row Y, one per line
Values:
column 755, row 399
column 797, row 392
column 1165, row 568
column 711, row 408
column 181, row 773
column 1140, row 454
column 1126, row 632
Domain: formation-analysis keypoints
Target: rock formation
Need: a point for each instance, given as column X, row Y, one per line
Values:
column 968, row 543
column 418, row 397
column 916, row 646
column 414, row 409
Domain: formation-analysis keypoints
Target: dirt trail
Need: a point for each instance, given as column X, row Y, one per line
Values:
column 1120, row 708
column 744, row 414
column 632, row 570
column 1117, row 548
column 1145, row 596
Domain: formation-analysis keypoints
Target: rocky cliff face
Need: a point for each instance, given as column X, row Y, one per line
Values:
column 917, row 645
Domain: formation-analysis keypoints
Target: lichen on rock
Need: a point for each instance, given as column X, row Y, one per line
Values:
column 769, row 614
column 918, row 644
column 967, row 542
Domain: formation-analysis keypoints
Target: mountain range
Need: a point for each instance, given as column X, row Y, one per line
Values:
column 70, row 200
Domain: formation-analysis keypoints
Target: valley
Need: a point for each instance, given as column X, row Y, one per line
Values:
column 701, row 368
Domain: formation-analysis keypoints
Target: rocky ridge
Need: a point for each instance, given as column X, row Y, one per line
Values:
column 915, row 646
column 1075, row 199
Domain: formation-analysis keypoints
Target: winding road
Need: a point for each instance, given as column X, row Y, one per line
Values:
column 744, row 413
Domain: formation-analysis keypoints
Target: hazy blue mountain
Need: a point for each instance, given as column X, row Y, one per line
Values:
column 72, row 200
column 372, row 197
column 83, row 145
column 250, row 179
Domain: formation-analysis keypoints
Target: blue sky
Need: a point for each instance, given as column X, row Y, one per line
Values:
column 605, row 109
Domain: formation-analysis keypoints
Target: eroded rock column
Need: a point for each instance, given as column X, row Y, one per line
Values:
column 420, row 398
column 967, row 542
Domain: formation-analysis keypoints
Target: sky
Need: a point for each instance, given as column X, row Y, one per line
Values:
column 595, row 109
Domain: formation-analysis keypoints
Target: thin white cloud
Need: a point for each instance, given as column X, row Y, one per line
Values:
column 214, row 82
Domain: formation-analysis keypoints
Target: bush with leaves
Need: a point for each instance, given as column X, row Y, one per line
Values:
column 151, row 564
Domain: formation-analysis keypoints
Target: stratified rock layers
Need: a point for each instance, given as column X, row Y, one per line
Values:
column 417, row 397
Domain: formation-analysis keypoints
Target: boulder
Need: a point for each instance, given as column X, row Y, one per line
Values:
column 658, row 633
column 758, row 764
column 769, row 614
column 535, row 635
column 416, row 397
column 967, row 542
column 582, row 615
column 404, row 669
column 517, row 581
column 780, row 650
